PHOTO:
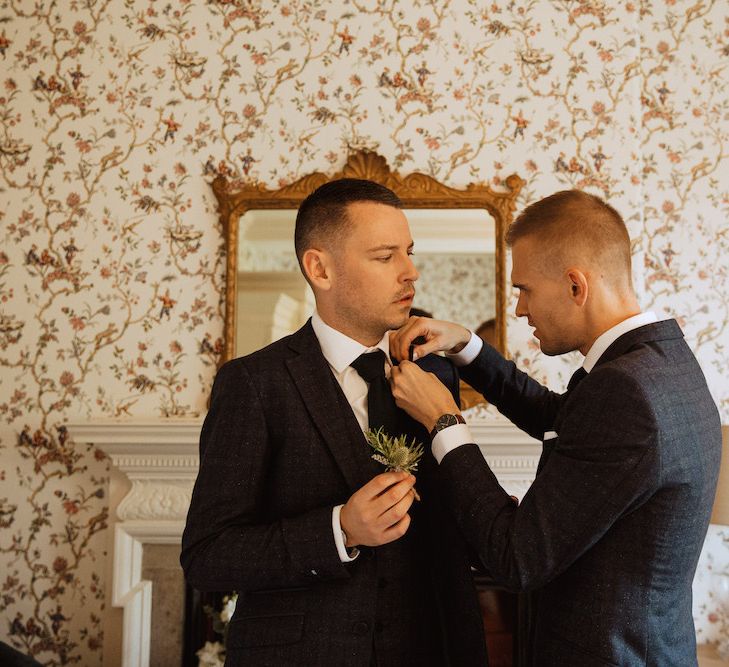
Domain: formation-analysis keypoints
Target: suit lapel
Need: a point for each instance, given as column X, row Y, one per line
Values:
column 328, row 408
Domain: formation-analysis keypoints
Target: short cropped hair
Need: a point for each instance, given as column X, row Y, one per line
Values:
column 323, row 216
column 575, row 225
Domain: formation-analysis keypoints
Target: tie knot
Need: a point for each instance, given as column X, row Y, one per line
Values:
column 370, row 365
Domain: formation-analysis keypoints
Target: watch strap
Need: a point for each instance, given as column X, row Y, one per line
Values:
column 446, row 420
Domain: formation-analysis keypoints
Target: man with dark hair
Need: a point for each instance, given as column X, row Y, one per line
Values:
column 609, row 534
column 333, row 563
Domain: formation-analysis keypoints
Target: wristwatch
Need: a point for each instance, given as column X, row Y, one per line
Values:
column 444, row 421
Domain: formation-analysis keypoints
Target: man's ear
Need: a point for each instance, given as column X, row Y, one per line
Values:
column 317, row 268
column 578, row 286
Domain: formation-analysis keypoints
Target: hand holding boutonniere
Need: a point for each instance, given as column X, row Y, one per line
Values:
column 394, row 452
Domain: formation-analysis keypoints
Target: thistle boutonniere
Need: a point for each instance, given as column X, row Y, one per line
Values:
column 394, row 452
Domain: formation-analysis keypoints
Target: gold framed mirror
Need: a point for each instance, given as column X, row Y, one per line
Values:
column 464, row 220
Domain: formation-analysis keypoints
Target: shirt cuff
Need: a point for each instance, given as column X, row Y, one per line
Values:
column 344, row 555
column 449, row 439
column 468, row 353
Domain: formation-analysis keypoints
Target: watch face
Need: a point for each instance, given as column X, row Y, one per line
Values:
column 445, row 420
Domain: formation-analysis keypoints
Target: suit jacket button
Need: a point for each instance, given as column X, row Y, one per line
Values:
column 361, row 628
column 382, row 583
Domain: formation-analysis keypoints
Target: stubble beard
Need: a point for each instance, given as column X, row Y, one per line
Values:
column 557, row 348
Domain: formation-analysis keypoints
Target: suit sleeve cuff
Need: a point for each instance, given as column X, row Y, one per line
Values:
column 344, row 555
column 449, row 439
column 468, row 353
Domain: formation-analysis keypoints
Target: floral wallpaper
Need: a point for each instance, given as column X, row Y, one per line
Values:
column 711, row 591
column 115, row 116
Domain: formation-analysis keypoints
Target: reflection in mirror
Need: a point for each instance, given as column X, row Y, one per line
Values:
column 454, row 254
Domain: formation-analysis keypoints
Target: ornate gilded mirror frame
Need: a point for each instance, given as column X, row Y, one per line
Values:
column 415, row 190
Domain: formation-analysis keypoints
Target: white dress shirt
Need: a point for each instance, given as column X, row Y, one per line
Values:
column 340, row 351
column 454, row 436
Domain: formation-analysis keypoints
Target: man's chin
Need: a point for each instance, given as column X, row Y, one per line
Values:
column 399, row 321
column 555, row 350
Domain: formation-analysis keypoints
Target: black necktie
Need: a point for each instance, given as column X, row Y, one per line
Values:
column 381, row 407
column 577, row 376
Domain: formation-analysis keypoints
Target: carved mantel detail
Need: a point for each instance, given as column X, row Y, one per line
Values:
column 155, row 499
column 159, row 457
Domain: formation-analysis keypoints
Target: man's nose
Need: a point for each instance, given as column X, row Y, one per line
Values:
column 411, row 273
column 521, row 309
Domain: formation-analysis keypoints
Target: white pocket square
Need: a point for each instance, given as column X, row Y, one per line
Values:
column 550, row 435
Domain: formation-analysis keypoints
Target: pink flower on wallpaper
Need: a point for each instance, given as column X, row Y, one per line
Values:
column 71, row 506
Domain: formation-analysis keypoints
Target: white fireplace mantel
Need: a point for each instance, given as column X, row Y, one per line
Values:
column 159, row 457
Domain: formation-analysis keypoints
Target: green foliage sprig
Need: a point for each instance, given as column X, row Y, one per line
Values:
column 394, row 452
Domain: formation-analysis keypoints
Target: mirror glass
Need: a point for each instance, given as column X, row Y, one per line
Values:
column 455, row 254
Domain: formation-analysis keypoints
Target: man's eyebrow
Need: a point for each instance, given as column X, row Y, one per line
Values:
column 380, row 248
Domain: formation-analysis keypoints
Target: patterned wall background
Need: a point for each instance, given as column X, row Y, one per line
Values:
column 114, row 116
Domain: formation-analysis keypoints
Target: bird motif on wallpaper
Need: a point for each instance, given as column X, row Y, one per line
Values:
column 184, row 233
column 14, row 147
column 8, row 324
column 535, row 57
column 189, row 59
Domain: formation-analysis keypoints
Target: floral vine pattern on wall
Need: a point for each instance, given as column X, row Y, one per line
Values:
column 115, row 116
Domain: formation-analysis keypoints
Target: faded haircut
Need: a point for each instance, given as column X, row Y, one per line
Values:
column 575, row 226
column 322, row 218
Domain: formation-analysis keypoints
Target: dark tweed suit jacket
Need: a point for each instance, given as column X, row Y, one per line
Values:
column 609, row 534
column 279, row 448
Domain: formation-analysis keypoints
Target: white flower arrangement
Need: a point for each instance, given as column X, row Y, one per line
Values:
column 213, row 653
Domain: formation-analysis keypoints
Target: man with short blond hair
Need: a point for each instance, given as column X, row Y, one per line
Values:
column 610, row 532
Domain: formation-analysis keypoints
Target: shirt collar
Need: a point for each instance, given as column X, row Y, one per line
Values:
column 606, row 339
column 340, row 350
